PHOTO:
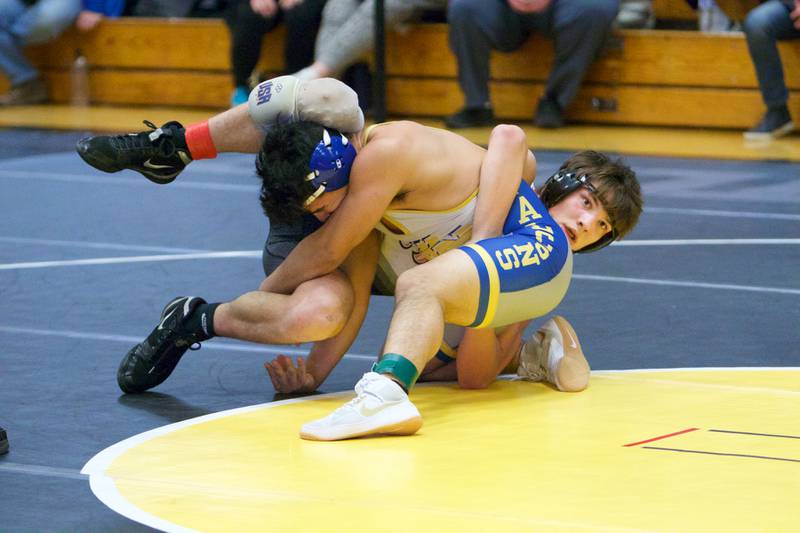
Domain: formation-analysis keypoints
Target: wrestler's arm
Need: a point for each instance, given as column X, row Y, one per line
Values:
column 311, row 372
column 484, row 353
column 446, row 372
column 507, row 160
column 360, row 268
column 376, row 178
column 483, row 359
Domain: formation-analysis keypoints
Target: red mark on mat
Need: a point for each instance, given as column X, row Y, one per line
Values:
column 661, row 437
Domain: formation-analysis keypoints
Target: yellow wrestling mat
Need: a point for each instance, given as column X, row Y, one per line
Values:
column 676, row 450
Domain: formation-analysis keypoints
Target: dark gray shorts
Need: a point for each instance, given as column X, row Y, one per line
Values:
column 283, row 238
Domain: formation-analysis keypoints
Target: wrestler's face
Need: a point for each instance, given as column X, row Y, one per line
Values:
column 582, row 218
column 327, row 203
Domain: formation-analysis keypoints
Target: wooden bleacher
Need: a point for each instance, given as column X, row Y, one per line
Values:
column 673, row 10
column 649, row 77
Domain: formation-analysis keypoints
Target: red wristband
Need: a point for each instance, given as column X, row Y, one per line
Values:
column 199, row 142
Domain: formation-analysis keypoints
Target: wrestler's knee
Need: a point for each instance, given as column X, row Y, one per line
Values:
column 412, row 284
column 508, row 133
column 320, row 313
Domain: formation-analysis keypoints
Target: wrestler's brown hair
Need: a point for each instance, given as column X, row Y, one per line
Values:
column 617, row 187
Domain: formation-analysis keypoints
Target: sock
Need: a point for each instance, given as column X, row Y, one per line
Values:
column 180, row 139
column 199, row 142
column 403, row 370
column 201, row 322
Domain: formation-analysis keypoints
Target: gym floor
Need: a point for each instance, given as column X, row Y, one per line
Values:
column 709, row 279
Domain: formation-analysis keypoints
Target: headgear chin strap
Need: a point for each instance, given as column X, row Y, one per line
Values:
column 562, row 183
column 330, row 164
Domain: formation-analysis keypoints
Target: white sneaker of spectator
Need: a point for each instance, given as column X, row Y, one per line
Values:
column 637, row 14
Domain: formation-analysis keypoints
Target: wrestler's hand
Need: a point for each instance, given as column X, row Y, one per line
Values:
column 528, row 6
column 288, row 378
column 265, row 8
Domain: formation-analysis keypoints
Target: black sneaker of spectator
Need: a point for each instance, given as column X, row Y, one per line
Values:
column 159, row 154
column 776, row 123
column 470, row 117
column 3, row 441
column 28, row 93
column 548, row 114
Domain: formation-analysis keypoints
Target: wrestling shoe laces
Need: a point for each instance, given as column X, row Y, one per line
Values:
column 159, row 154
column 364, row 394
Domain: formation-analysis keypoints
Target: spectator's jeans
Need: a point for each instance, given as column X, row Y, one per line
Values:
column 22, row 25
column 578, row 29
column 764, row 27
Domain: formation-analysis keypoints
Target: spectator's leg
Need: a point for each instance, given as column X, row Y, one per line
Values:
column 476, row 27
column 335, row 13
column 247, row 29
column 46, row 20
column 579, row 30
column 21, row 25
column 12, row 62
column 347, row 34
column 302, row 26
column 764, row 27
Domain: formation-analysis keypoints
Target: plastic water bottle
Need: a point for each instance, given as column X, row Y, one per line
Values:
column 79, row 80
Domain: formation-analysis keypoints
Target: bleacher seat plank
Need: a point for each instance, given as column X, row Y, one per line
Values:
column 680, row 10
column 642, row 57
column 180, row 44
column 145, row 87
column 666, row 106
column 673, row 10
column 737, row 9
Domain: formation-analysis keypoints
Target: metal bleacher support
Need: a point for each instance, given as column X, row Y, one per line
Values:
column 379, row 76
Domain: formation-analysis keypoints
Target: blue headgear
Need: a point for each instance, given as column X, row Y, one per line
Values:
column 558, row 186
column 330, row 164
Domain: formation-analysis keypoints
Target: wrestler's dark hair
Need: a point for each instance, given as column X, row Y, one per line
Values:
column 283, row 164
column 617, row 187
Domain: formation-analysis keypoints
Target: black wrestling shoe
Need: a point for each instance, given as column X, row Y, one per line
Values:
column 151, row 361
column 159, row 154
column 3, row 442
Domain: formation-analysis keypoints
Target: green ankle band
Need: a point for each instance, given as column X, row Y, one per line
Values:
column 398, row 366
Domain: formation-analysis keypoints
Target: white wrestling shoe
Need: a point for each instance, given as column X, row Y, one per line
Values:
column 381, row 407
column 554, row 355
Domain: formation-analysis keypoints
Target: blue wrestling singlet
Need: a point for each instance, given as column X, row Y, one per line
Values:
column 525, row 272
